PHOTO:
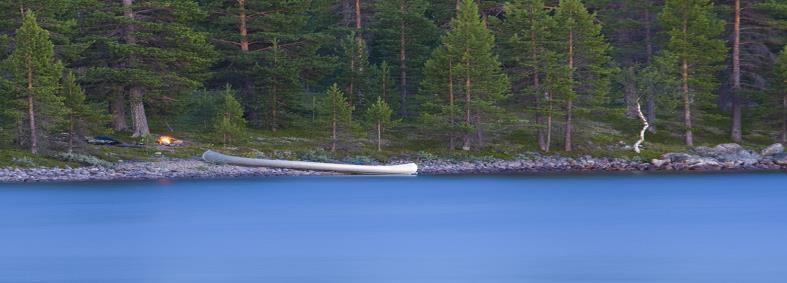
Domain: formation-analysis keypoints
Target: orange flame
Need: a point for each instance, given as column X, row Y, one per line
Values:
column 165, row 140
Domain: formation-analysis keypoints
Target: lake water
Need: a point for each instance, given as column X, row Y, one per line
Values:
column 667, row 228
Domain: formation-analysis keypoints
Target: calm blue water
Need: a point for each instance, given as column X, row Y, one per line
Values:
column 698, row 228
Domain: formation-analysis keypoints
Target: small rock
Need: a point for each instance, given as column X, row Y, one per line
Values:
column 780, row 159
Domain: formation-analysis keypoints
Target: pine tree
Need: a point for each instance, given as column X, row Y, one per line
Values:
column 379, row 116
column 336, row 112
column 144, row 53
column 694, row 30
column 35, row 74
column 466, row 59
column 229, row 123
column 280, row 84
column 528, row 31
column 246, row 32
column 585, row 53
column 403, row 34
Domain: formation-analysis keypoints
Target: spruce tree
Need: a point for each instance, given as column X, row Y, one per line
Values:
column 694, row 32
column 465, row 60
column 81, row 116
column 379, row 116
column 403, row 35
column 35, row 79
column 584, row 52
column 229, row 123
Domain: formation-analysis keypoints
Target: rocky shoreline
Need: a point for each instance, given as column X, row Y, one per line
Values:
column 723, row 157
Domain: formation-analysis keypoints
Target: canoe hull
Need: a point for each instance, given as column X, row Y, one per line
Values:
column 403, row 169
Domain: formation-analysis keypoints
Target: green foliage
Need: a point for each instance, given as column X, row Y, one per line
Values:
column 464, row 66
column 378, row 116
column 81, row 117
column 229, row 124
column 379, row 112
column 403, row 36
column 280, row 86
column 384, row 86
column 781, row 69
column 355, row 70
column 159, row 51
column 84, row 159
column 336, row 114
column 283, row 40
column 34, row 76
column 694, row 33
column 589, row 79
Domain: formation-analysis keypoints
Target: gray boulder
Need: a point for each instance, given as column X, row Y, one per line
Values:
column 773, row 149
column 730, row 153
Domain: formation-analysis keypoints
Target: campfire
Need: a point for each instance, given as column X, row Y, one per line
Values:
column 168, row 141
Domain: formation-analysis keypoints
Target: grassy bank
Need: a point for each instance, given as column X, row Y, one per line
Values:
column 595, row 139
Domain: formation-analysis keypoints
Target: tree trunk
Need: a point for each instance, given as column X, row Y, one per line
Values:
column 784, row 118
column 71, row 133
column 452, row 142
column 117, row 106
column 32, row 123
column 136, row 92
column 689, row 135
column 274, row 110
column 247, row 83
column 402, row 63
column 379, row 136
column 468, row 118
column 358, row 20
column 244, row 33
column 139, row 119
column 737, row 108
column 333, row 122
column 569, row 126
column 548, row 97
column 569, row 101
column 31, row 112
column 537, row 86
column 651, row 99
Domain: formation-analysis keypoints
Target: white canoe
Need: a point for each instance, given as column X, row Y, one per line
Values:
column 403, row 169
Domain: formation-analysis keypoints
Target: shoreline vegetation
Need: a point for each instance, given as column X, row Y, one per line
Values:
column 724, row 157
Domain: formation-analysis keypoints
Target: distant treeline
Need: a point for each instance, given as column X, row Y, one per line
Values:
column 458, row 72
